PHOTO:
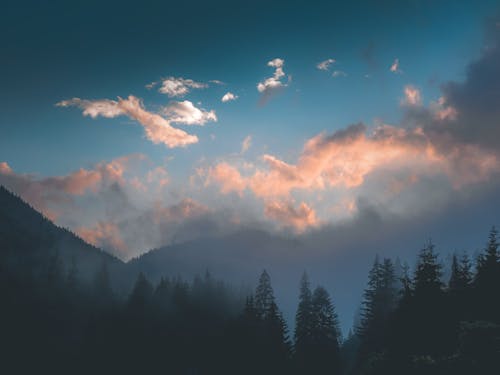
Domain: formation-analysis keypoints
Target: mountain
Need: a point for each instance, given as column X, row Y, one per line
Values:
column 28, row 240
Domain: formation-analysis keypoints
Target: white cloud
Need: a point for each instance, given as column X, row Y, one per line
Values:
column 173, row 86
column 395, row 67
column 412, row 96
column 228, row 97
column 325, row 65
column 339, row 73
column 157, row 128
column 245, row 145
column 186, row 112
column 274, row 83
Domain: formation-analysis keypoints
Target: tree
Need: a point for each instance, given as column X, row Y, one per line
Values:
column 303, row 320
column 369, row 298
column 264, row 296
column 427, row 279
column 325, row 334
column 141, row 293
column 487, row 280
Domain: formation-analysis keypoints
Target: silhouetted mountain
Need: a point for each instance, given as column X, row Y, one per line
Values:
column 28, row 242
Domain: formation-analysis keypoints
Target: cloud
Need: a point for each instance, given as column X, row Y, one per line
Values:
column 394, row 68
column 274, row 84
column 325, row 65
column 104, row 235
column 53, row 195
column 217, row 82
column 157, row 129
column 245, row 145
column 393, row 164
column 228, row 97
column 186, row 112
column 287, row 215
column 338, row 73
column 174, row 87
column 227, row 177
column 5, row 168
column 412, row 96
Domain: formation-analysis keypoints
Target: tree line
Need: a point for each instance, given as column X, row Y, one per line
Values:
column 410, row 322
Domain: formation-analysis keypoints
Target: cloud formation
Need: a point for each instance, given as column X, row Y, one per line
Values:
column 245, row 145
column 325, row 65
column 274, row 84
column 289, row 216
column 157, row 128
column 187, row 113
column 177, row 86
column 412, row 96
column 389, row 163
column 339, row 73
column 394, row 68
column 229, row 97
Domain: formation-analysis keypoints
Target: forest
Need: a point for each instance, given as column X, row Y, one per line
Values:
column 434, row 318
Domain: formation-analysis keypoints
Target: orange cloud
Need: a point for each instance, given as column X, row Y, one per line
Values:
column 157, row 128
column 227, row 177
column 284, row 212
column 104, row 235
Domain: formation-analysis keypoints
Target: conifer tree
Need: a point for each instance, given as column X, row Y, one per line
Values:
column 428, row 273
column 141, row 293
column 325, row 334
column 303, row 319
column 264, row 296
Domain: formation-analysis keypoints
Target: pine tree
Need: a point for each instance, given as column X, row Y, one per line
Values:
column 264, row 296
column 428, row 273
column 369, row 298
column 454, row 282
column 488, row 263
column 465, row 271
column 487, row 281
column 303, row 319
column 326, row 336
column 141, row 293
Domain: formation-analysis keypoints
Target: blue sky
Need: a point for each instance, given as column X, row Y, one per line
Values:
column 303, row 166
column 58, row 51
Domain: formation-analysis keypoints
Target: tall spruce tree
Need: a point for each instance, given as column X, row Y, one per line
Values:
column 487, row 280
column 326, row 336
column 264, row 296
column 428, row 274
column 303, row 320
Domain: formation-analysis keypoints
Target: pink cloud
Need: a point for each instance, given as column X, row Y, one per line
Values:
column 157, row 128
column 286, row 214
column 103, row 235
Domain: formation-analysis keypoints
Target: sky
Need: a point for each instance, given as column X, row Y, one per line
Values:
column 132, row 123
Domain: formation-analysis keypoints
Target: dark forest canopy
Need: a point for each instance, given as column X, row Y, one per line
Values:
column 63, row 310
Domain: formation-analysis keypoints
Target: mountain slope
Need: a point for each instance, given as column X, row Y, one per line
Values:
column 28, row 240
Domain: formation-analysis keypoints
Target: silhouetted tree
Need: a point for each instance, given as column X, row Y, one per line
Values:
column 303, row 322
column 325, row 334
column 264, row 296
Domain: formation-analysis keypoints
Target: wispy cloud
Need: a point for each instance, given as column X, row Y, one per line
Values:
column 177, row 86
column 245, row 145
column 339, row 73
column 395, row 67
column 157, row 128
column 325, row 65
column 412, row 96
